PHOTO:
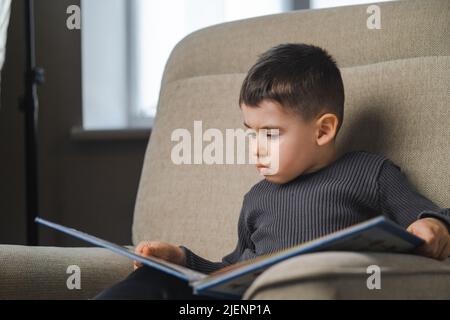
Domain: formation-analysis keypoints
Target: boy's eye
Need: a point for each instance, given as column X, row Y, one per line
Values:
column 270, row 135
column 273, row 133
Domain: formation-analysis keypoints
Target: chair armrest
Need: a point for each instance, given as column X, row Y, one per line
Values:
column 41, row 272
column 344, row 275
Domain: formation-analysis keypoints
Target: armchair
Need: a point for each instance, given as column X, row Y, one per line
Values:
column 396, row 81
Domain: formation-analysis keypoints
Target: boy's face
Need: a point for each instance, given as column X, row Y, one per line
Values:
column 297, row 145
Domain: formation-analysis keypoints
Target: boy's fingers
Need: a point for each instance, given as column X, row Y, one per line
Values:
column 445, row 252
column 147, row 251
column 423, row 251
column 153, row 251
column 427, row 250
column 137, row 264
column 432, row 245
column 435, row 249
column 139, row 247
column 142, row 245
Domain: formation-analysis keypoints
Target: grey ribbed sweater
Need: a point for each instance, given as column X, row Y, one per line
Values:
column 357, row 186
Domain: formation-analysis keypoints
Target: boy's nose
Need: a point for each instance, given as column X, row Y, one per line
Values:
column 260, row 147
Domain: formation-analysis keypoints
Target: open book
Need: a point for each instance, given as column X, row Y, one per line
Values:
column 378, row 234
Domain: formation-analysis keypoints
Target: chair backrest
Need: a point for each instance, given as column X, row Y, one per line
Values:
column 397, row 103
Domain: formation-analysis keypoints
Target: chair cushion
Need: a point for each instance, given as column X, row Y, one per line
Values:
column 409, row 29
column 41, row 272
column 344, row 275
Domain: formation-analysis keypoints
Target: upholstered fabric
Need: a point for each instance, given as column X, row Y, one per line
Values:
column 412, row 28
column 400, row 108
column 345, row 275
column 41, row 272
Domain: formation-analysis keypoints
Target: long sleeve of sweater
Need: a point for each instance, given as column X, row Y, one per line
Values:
column 399, row 199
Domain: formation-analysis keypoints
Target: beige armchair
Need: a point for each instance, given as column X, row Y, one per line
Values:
column 396, row 80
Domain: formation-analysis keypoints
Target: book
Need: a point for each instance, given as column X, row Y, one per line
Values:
column 378, row 234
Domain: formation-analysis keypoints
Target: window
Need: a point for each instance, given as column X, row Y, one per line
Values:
column 126, row 43
column 318, row 4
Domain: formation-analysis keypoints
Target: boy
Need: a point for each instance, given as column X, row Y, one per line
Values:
column 297, row 89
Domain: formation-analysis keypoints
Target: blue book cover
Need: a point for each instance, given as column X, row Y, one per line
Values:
column 375, row 235
column 175, row 270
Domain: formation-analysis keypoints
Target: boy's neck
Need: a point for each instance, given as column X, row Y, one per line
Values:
column 324, row 160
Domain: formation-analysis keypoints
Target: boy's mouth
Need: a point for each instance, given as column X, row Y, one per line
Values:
column 263, row 170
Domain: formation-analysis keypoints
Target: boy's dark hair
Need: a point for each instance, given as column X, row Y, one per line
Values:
column 301, row 77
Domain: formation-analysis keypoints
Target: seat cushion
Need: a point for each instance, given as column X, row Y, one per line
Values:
column 344, row 275
column 42, row 272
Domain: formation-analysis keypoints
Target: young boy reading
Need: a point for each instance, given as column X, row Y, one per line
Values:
column 298, row 89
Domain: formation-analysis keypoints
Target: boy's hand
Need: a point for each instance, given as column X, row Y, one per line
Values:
column 436, row 236
column 161, row 250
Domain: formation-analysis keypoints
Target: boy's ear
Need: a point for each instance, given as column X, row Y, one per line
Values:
column 326, row 126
